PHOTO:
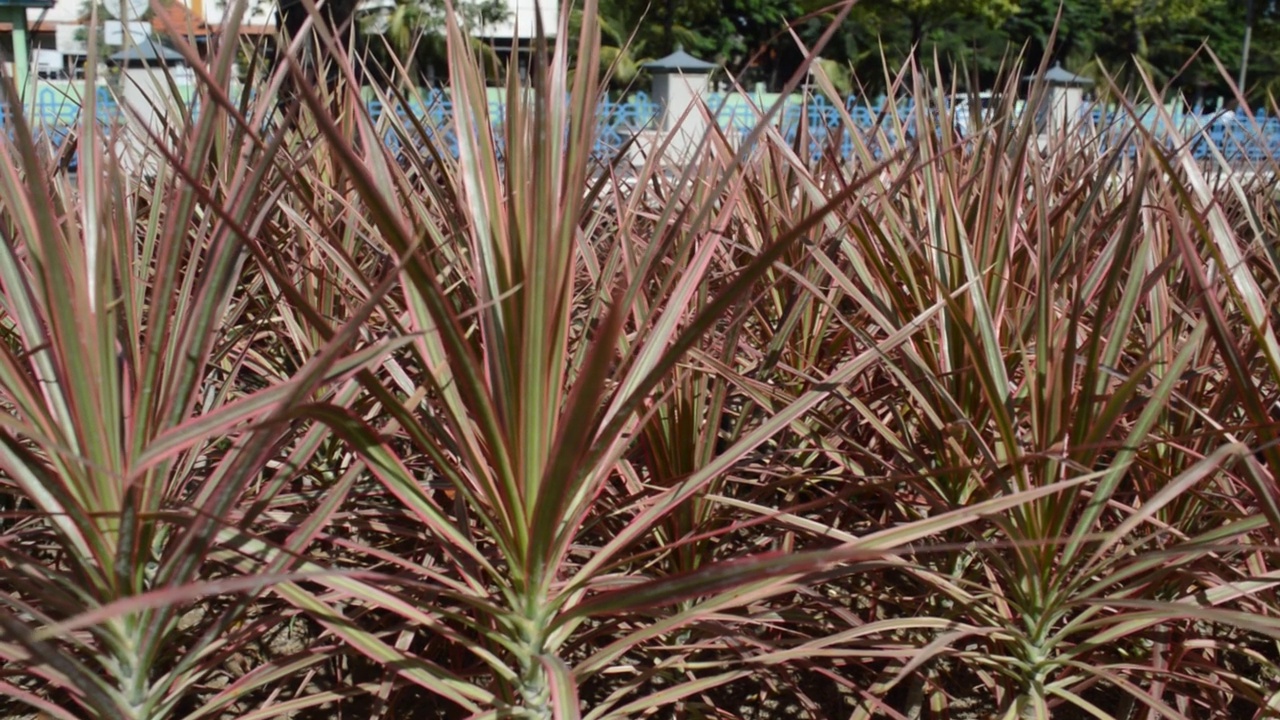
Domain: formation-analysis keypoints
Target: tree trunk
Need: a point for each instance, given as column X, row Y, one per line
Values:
column 336, row 16
column 669, row 23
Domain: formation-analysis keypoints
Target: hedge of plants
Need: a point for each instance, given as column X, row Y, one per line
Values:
column 296, row 426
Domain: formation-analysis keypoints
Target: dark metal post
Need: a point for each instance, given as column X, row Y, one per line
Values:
column 1244, row 53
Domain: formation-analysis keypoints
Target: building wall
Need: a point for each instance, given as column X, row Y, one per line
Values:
column 63, row 11
column 56, row 28
column 259, row 13
column 523, row 18
column 213, row 12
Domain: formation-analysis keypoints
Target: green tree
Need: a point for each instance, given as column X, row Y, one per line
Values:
column 966, row 35
column 1079, row 27
column 750, row 29
column 336, row 16
column 1162, row 38
column 633, row 33
column 926, row 18
column 748, row 37
column 414, row 30
column 1264, row 55
column 1122, row 37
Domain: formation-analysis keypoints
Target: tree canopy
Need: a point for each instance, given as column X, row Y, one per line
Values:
column 1117, row 37
column 974, row 38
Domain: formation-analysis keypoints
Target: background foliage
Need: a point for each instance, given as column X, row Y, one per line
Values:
column 1120, row 36
column 973, row 37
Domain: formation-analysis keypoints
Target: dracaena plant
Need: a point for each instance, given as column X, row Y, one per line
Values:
column 546, row 337
column 1078, row 349
column 148, row 421
column 951, row 413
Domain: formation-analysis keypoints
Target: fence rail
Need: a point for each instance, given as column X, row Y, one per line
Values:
column 54, row 112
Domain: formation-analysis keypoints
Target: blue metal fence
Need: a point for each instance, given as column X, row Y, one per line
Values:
column 54, row 112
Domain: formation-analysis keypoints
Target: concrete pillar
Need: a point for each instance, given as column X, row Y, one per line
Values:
column 146, row 96
column 15, row 16
column 1064, row 103
column 146, row 72
column 679, row 80
column 1063, row 99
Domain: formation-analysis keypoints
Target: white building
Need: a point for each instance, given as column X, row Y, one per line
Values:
column 522, row 20
column 60, row 31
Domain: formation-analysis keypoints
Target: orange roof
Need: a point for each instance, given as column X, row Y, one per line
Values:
column 178, row 17
column 252, row 29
